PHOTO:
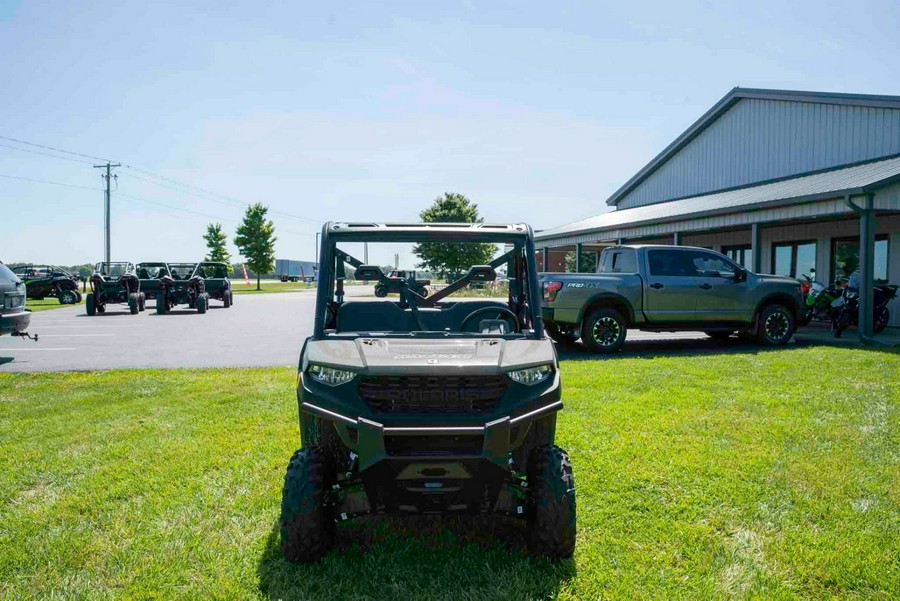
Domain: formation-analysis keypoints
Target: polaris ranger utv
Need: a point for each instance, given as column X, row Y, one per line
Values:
column 428, row 404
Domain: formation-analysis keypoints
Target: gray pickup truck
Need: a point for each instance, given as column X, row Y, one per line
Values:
column 667, row 289
column 14, row 318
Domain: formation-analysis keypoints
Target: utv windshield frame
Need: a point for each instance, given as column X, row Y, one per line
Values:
column 525, row 300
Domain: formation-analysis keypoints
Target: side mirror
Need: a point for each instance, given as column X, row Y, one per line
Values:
column 740, row 275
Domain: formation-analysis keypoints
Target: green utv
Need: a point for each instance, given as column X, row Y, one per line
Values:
column 182, row 286
column 149, row 274
column 42, row 281
column 428, row 404
column 114, row 283
column 216, row 282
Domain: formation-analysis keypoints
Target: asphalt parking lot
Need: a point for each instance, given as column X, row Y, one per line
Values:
column 260, row 330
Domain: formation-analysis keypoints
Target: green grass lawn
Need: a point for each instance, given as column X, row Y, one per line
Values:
column 46, row 304
column 750, row 474
column 240, row 287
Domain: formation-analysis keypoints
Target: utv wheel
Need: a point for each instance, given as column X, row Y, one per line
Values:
column 564, row 338
column 202, row 303
column 719, row 336
column 551, row 503
column 67, row 297
column 226, row 298
column 380, row 291
column 775, row 325
column 161, row 306
column 78, row 297
column 89, row 304
column 307, row 521
column 142, row 304
column 604, row 331
column 134, row 303
column 881, row 320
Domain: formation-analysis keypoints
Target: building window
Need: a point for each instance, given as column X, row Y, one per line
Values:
column 845, row 257
column 793, row 258
column 740, row 254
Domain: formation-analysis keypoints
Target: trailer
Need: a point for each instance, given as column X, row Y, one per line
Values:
column 288, row 270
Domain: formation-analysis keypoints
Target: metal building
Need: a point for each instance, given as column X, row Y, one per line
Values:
column 781, row 181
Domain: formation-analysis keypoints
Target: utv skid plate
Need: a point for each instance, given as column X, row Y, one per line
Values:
column 406, row 469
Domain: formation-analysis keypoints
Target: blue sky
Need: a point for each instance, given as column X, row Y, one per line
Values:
column 332, row 111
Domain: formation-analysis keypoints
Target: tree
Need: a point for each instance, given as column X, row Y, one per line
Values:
column 215, row 242
column 588, row 262
column 255, row 239
column 450, row 258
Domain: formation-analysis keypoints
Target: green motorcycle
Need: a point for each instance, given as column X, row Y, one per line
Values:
column 818, row 299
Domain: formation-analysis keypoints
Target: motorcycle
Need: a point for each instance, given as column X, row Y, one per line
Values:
column 846, row 308
column 818, row 298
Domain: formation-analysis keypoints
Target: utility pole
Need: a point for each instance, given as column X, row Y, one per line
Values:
column 106, row 230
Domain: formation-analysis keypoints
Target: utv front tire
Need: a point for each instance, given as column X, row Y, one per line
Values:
column 307, row 522
column 89, row 304
column 142, row 301
column 67, row 297
column 551, row 503
column 380, row 291
column 202, row 302
column 604, row 331
column 563, row 338
column 134, row 303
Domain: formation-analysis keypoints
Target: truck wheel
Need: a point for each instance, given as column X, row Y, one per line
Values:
column 307, row 522
column 604, row 331
column 201, row 303
column 161, row 306
column 89, row 304
column 564, row 338
column 134, row 303
column 380, row 291
column 551, row 503
column 775, row 326
column 67, row 297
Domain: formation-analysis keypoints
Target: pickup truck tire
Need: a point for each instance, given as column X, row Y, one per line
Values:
column 557, row 335
column 775, row 326
column 604, row 330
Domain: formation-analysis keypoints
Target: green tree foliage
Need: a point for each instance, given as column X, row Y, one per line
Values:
column 588, row 262
column 255, row 239
column 449, row 258
column 215, row 241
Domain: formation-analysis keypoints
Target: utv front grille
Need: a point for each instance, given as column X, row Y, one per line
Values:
column 432, row 394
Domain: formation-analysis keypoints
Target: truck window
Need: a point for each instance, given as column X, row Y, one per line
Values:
column 676, row 263
column 710, row 265
column 620, row 260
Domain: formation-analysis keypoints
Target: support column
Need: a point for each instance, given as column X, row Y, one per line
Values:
column 755, row 248
column 544, row 260
column 578, row 258
column 676, row 238
column 866, row 266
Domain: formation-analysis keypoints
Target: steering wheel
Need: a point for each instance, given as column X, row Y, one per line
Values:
column 497, row 310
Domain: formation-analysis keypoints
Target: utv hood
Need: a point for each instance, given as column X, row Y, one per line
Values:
column 393, row 356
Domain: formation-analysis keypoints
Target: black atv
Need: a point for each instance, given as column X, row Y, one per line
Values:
column 42, row 281
column 216, row 282
column 428, row 404
column 114, row 283
column 182, row 286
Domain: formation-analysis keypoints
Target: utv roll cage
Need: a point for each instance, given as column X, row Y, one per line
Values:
column 524, row 292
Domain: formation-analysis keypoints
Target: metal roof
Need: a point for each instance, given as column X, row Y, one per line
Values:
column 854, row 179
column 729, row 100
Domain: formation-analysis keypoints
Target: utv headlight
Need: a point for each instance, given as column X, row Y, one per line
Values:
column 531, row 376
column 330, row 376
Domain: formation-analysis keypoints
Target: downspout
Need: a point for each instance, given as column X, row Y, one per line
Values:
column 866, row 267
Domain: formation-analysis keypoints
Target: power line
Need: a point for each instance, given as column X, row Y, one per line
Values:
column 44, row 181
column 44, row 146
column 47, row 154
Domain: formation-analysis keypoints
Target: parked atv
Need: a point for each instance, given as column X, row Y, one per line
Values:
column 215, row 279
column 114, row 283
column 400, row 279
column 428, row 405
column 42, row 281
column 149, row 275
column 182, row 286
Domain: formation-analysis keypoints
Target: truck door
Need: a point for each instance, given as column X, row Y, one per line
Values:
column 720, row 296
column 671, row 286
